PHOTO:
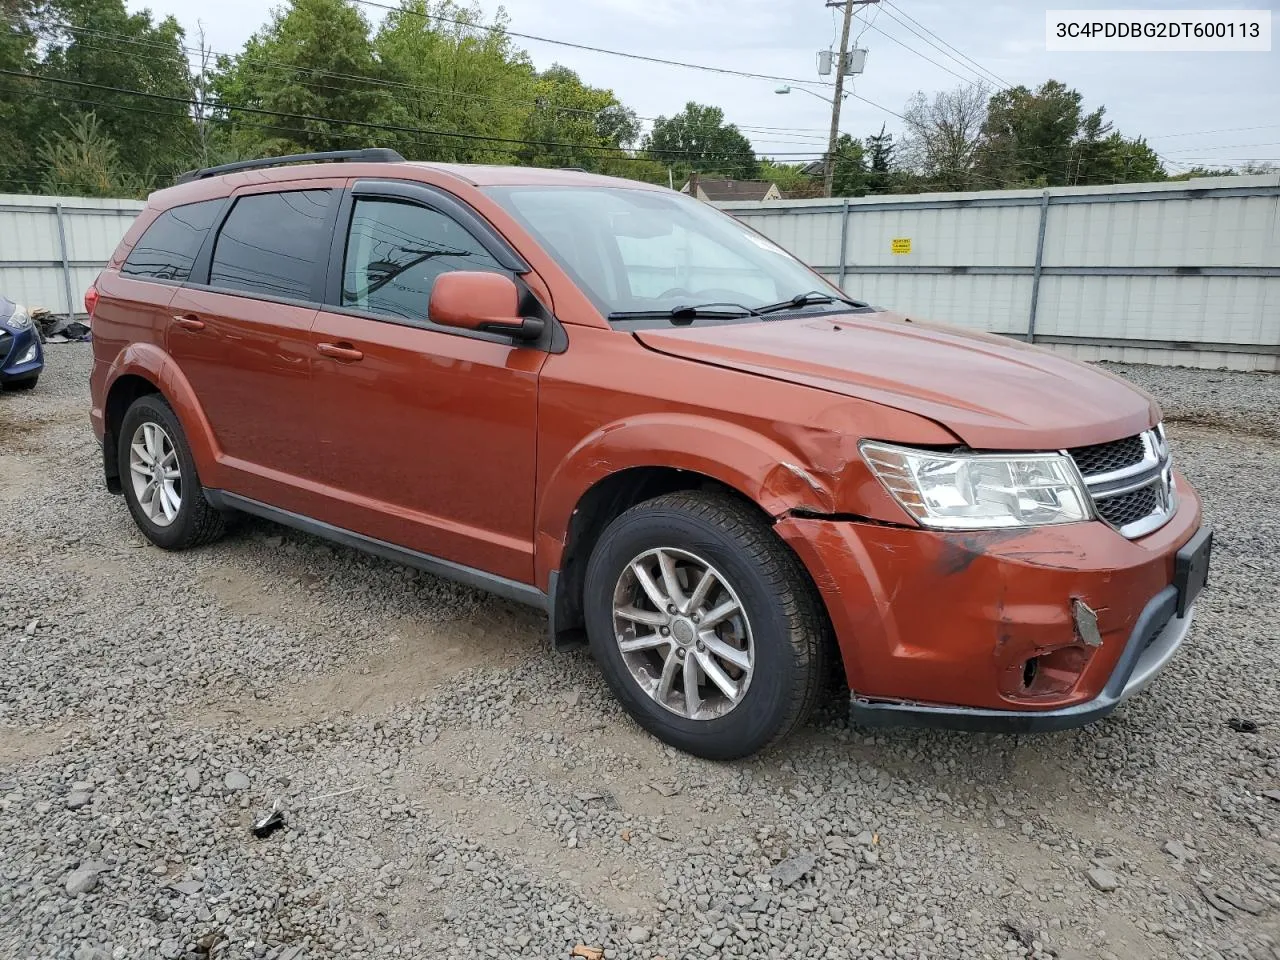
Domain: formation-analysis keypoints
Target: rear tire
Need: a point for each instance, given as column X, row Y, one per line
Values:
column 168, row 503
column 765, row 664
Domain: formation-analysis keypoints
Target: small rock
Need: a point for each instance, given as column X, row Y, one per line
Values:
column 1272, row 795
column 1103, row 879
column 273, row 541
column 235, row 780
column 793, row 868
column 78, row 798
column 31, row 627
column 82, row 881
column 1238, row 901
column 1178, row 850
column 189, row 887
column 638, row 934
column 192, row 776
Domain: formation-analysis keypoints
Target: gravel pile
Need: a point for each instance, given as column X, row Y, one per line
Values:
column 448, row 790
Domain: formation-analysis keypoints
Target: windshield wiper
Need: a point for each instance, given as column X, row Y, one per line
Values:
column 687, row 313
column 806, row 299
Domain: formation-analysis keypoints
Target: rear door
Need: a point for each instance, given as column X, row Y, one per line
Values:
column 430, row 432
column 240, row 332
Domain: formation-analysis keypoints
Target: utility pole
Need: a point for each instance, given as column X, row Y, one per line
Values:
column 842, row 62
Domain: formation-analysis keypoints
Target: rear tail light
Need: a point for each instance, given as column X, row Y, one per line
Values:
column 91, row 299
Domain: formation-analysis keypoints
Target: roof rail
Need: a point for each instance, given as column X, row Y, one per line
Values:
column 368, row 155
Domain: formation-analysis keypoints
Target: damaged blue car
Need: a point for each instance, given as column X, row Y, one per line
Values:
column 21, row 357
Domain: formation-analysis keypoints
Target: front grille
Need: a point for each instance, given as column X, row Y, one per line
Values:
column 1106, row 457
column 1127, row 508
column 1130, row 481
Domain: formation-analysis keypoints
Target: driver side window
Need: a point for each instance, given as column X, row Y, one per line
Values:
column 394, row 253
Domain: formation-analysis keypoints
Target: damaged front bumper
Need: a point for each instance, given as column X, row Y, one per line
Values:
column 1156, row 637
column 1032, row 629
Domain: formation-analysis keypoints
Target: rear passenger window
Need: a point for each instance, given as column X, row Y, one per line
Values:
column 168, row 247
column 395, row 251
column 272, row 243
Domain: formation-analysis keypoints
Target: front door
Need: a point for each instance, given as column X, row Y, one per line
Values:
column 241, row 334
column 429, row 432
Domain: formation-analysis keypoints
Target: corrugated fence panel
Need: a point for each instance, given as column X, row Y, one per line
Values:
column 31, row 247
column 1173, row 273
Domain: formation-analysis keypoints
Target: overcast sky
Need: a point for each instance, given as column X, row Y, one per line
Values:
column 1193, row 107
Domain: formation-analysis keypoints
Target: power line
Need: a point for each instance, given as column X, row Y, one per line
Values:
column 1005, row 84
column 1198, row 133
column 981, row 84
column 52, row 28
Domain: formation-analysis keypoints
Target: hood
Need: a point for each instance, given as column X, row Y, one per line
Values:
column 992, row 392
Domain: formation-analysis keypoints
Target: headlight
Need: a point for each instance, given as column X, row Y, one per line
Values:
column 18, row 321
column 977, row 491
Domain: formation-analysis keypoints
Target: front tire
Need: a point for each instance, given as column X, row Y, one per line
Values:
column 159, row 478
column 704, row 624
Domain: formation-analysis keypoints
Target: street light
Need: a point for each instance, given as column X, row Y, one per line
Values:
column 786, row 88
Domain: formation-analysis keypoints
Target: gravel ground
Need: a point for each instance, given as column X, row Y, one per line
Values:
column 451, row 791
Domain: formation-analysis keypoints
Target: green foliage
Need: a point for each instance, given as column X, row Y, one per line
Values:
column 452, row 77
column 573, row 125
column 314, row 62
column 20, row 111
column 83, row 161
column 699, row 139
column 849, row 176
column 99, row 42
column 880, row 162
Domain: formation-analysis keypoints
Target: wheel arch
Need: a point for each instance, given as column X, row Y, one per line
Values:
column 625, row 464
column 143, row 369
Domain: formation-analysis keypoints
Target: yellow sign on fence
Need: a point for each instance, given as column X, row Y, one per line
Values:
column 900, row 245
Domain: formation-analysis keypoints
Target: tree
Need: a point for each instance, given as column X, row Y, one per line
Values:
column 452, row 73
column 19, row 98
column 1117, row 160
column 850, row 170
column 573, row 125
column 943, row 135
column 880, row 158
column 153, row 135
column 83, row 161
column 699, row 139
column 314, row 63
column 1038, row 138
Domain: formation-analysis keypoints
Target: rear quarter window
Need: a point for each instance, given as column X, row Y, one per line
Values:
column 272, row 244
column 167, row 249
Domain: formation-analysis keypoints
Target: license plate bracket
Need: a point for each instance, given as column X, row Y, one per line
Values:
column 1191, row 571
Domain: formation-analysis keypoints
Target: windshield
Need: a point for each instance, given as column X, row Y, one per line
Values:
column 648, row 253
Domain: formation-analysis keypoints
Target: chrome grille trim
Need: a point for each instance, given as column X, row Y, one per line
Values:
column 1113, row 491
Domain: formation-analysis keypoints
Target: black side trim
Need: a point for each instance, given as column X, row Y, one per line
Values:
column 470, row 576
column 1159, row 610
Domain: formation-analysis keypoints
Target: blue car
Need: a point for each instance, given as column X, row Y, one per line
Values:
column 21, row 357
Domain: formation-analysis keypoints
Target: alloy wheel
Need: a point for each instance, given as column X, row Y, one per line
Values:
column 155, row 473
column 683, row 633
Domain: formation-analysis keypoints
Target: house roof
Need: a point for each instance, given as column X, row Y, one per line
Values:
column 734, row 189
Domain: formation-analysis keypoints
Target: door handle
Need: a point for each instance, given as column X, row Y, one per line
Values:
column 189, row 322
column 346, row 354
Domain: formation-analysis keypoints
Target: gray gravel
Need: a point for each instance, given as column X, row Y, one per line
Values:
column 451, row 791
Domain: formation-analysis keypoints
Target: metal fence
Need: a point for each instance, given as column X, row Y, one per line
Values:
column 1180, row 273
column 51, row 248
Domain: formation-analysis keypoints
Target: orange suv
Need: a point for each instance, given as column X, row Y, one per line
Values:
column 622, row 406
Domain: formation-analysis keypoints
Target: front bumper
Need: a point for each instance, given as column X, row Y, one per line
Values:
column 21, row 356
column 977, row 630
column 1155, row 639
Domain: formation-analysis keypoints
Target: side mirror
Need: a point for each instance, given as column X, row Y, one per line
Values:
column 478, row 300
